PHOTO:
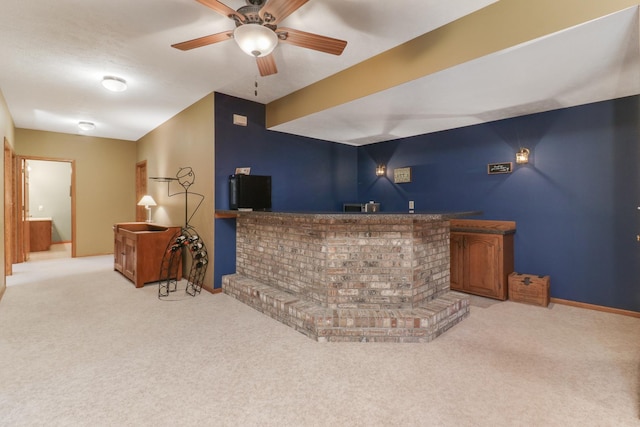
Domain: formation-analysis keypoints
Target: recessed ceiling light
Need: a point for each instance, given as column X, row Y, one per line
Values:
column 114, row 84
column 86, row 126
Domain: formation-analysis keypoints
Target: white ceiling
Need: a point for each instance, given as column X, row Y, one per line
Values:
column 592, row 62
column 55, row 54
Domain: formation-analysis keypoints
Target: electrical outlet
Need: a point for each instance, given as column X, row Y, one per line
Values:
column 411, row 204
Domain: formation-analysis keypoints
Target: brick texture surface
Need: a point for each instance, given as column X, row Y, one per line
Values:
column 351, row 263
column 350, row 278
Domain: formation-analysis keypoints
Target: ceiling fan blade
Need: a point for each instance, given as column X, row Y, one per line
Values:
column 266, row 65
column 311, row 41
column 277, row 10
column 222, row 9
column 204, row 41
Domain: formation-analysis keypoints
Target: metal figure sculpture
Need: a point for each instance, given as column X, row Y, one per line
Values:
column 186, row 240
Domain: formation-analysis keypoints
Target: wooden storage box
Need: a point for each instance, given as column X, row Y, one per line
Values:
column 529, row 288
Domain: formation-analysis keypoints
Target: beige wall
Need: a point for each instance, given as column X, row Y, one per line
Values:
column 7, row 130
column 186, row 140
column 105, row 182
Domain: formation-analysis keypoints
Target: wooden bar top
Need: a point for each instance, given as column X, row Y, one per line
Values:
column 401, row 216
column 482, row 226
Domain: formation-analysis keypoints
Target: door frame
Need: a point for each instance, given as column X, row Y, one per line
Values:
column 21, row 220
column 141, row 189
column 9, row 200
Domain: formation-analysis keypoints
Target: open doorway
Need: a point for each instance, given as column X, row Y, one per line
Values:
column 47, row 220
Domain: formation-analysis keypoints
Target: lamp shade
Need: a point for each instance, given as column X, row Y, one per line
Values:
column 147, row 200
column 255, row 39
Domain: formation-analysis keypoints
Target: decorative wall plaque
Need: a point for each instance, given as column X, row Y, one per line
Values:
column 401, row 175
column 495, row 168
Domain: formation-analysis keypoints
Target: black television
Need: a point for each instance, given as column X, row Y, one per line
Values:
column 250, row 192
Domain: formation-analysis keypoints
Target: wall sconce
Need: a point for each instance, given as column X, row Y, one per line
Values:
column 380, row 170
column 147, row 201
column 522, row 156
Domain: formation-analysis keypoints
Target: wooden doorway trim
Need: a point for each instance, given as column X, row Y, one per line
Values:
column 9, row 197
column 22, row 232
column 141, row 189
column 72, row 190
column 20, row 219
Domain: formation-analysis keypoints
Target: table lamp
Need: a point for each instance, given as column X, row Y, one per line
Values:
column 147, row 201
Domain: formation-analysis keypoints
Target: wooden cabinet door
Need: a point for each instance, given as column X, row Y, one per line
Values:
column 456, row 279
column 481, row 257
column 118, row 252
column 129, row 259
column 482, row 265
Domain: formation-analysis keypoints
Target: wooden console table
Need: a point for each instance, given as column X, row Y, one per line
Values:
column 139, row 248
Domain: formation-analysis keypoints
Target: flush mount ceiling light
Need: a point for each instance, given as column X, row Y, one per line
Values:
column 255, row 39
column 114, row 84
column 86, row 126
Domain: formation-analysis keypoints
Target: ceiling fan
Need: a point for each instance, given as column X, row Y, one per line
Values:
column 257, row 31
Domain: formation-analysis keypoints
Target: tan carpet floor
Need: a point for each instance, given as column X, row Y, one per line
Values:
column 80, row 346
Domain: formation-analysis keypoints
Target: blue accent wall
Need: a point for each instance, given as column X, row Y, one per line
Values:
column 307, row 174
column 575, row 203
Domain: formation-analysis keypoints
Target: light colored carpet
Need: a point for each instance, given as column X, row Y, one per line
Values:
column 57, row 250
column 79, row 345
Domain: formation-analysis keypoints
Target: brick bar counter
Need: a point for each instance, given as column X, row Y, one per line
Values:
column 348, row 276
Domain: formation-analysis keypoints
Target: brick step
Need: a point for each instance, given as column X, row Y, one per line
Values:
column 420, row 324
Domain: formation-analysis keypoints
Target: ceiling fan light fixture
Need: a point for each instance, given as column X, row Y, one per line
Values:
column 255, row 40
column 114, row 84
